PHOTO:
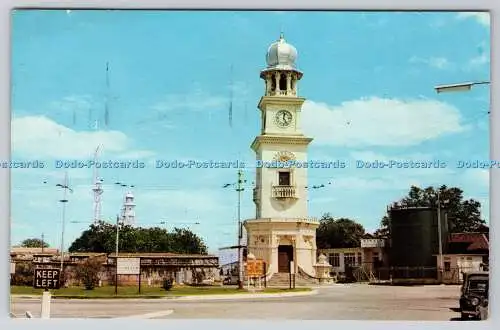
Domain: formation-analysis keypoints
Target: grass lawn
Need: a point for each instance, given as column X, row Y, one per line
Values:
column 146, row 292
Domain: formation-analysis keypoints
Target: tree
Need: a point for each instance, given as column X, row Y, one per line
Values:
column 383, row 231
column 88, row 272
column 24, row 274
column 101, row 237
column 338, row 233
column 185, row 241
column 463, row 215
column 34, row 243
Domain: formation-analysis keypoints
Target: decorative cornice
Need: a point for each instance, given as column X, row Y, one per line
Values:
column 278, row 100
column 280, row 139
column 308, row 220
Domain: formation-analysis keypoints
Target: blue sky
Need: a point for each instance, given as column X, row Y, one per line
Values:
column 368, row 80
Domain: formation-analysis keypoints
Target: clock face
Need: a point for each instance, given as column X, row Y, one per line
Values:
column 283, row 118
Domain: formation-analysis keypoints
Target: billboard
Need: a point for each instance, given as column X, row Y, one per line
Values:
column 255, row 268
column 128, row 266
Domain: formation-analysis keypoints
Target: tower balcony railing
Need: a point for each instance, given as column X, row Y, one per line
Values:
column 283, row 93
column 284, row 192
column 256, row 196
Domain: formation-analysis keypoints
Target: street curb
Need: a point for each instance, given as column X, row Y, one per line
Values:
column 234, row 296
column 248, row 296
column 148, row 315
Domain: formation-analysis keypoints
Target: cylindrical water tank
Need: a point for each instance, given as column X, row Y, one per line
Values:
column 415, row 236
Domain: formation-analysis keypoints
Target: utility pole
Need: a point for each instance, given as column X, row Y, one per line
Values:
column 239, row 189
column 116, row 252
column 63, row 201
column 440, row 236
column 43, row 242
column 97, row 189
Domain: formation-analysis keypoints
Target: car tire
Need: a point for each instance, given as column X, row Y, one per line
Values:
column 483, row 314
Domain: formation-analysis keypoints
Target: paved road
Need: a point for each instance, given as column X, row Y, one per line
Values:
column 339, row 302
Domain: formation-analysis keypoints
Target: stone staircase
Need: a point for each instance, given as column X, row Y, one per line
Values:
column 282, row 280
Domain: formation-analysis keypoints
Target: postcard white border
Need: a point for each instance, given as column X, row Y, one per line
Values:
column 475, row 5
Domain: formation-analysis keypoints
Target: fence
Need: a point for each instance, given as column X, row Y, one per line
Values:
column 426, row 274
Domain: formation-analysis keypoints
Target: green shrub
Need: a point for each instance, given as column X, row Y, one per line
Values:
column 88, row 272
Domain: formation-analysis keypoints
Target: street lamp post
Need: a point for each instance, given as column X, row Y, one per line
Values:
column 461, row 87
column 240, row 231
column 239, row 189
column 440, row 204
column 441, row 263
column 466, row 86
column 64, row 200
column 116, row 252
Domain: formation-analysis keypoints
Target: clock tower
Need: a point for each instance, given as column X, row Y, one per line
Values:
column 282, row 233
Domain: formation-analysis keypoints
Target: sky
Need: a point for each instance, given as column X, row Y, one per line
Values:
column 368, row 81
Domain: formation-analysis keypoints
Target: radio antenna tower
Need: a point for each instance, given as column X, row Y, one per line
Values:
column 231, row 97
column 97, row 189
column 106, row 104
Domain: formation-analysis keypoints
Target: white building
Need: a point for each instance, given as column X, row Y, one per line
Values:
column 282, row 231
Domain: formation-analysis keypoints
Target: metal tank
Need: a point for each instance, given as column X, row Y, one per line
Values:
column 415, row 241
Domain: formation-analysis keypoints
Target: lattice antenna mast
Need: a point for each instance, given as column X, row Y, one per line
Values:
column 106, row 104
column 231, row 87
column 97, row 189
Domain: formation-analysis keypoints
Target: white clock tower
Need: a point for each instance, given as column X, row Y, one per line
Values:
column 282, row 234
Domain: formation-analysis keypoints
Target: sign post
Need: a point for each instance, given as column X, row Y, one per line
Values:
column 139, row 275
column 292, row 273
column 47, row 278
column 264, row 269
column 129, row 266
column 12, row 269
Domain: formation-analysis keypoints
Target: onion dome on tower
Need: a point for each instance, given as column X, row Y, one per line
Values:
column 281, row 74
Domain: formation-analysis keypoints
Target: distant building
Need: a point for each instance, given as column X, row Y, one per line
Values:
column 28, row 253
column 364, row 260
column 155, row 267
column 466, row 252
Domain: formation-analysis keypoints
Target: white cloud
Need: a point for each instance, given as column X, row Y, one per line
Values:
column 77, row 103
column 435, row 62
column 479, row 60
column 398, row 177
column 482, row 18
column 477, row 177
column 359, row 183
column 323, row 200
column 202, row 202
column 196, row 101
column 41, row 137
column 380, row 122
column 372, row 156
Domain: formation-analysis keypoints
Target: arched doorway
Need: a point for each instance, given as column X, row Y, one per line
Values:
column 285, row 255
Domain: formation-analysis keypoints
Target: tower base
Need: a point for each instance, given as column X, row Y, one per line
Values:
column 283, row 243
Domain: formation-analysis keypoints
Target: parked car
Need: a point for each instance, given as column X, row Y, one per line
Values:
column 474, row 296
column 230, row 280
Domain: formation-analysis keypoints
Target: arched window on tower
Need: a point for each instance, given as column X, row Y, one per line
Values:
column 283, row 82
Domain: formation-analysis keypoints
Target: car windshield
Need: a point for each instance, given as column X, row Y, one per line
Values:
column 478, row 286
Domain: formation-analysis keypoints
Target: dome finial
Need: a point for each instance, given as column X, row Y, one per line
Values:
column 282, row 35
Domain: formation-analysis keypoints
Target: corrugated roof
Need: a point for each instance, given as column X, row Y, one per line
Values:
column 161, row 255
column 25, row 250
column 87, row 254
column 477, row 241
